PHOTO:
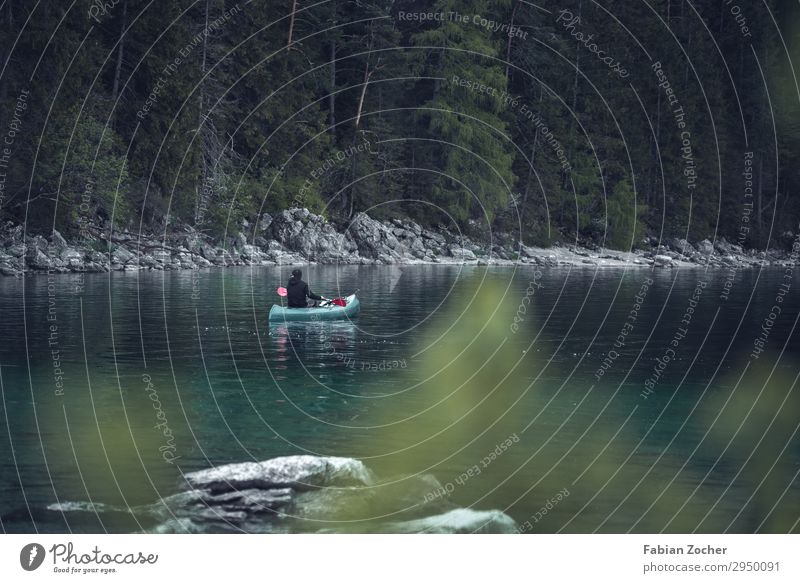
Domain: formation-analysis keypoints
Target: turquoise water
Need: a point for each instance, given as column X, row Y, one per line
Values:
column 162, row 373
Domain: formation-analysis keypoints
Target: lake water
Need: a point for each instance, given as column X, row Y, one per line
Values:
column 113, row 384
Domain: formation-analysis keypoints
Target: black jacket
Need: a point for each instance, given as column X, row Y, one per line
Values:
column 297, row 292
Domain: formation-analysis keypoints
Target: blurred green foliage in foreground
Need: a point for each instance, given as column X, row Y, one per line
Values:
column 497, row 432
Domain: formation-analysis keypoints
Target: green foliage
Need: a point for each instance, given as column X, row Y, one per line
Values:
column 625, row 227
column 464, row 129
column 165, row 115
column 82, row 168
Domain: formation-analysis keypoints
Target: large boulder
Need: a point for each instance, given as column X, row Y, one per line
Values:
column 461, row 253
column 57, row 241
column 662, row 261
column 240, row 241
column 193, row 242
column 71, row 257
column 264, row 222
column 122, row 256
column 16, row 250
column 11, row 234
column 705, row 247
column 311, row 236
column 298, row 472
column 681, row 246
column 376, row 240
column 35, row 257
column 723, row 247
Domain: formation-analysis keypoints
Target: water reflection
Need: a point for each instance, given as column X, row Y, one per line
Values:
column 320, row 344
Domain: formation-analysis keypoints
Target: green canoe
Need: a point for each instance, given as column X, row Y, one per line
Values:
column 283, row 314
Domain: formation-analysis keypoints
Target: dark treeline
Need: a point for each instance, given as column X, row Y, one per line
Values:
column 209, row 112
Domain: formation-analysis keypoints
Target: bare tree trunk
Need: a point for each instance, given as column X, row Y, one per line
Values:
column 201, row 116
column 508, row 46
column 367, row 74
column 121, row 51
column 437, row 83
column 654, row 181
column 531, row 162
column 577, row 65
column 760, row 190
column 291, row 22
column 9, row 26
column 574, row 95
column 332, row 95
column 530, row 175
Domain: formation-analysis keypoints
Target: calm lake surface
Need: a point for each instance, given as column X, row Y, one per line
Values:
column 712, row 446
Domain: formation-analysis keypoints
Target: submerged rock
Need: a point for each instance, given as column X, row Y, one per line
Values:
column 458, row 521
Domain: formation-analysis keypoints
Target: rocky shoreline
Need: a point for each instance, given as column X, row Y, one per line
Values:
column 297, row 236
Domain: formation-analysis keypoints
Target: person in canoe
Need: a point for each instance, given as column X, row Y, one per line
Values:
column 298, row 292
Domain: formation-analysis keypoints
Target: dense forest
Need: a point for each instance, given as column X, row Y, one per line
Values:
column 599, row 120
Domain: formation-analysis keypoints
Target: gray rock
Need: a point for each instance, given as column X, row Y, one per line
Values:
column 35, row 258
column 417, row 248
column 58, row 241
column 662, row 261
column 300, row 214
column 375, row 240
column 161, row 255
column 435, row 237
column 122, row 256
column 705, row 247
column 461, row 253
column 252, row 252
column 298, row 472
column 147, row 261
column 314, row 495
column 252, row 500
column 98, row 257
column 69, row 255
column 6, row 269
column 264, row 222
column 193, row 242
column 681, row 246
column 12, row 234
column 723, row 246
column 208, row 251
column 201, row 261
column 458, row 521
column 37, row 242
column 311, row 236
column 17, row 250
